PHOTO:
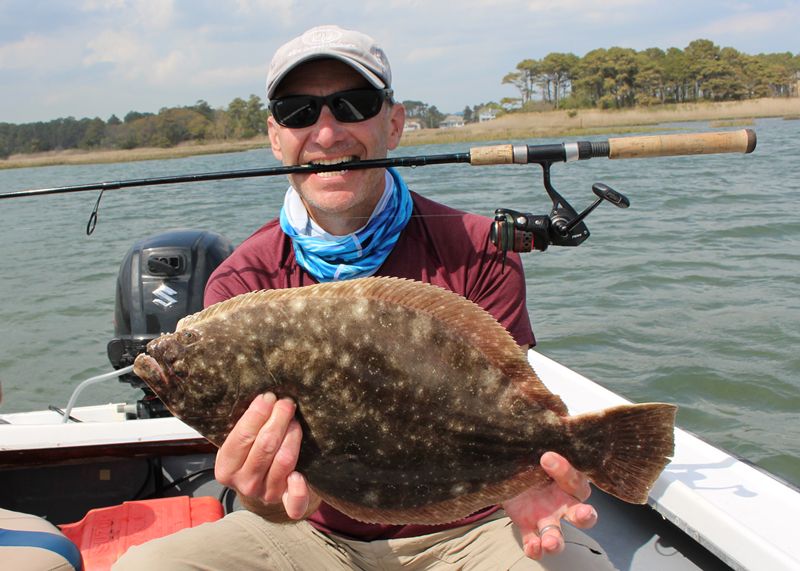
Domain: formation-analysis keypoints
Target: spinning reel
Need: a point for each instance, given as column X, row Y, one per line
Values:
column 514, row 231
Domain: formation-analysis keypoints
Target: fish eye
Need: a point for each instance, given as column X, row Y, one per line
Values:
column 189, row 337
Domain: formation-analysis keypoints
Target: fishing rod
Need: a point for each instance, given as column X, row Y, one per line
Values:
column 505, row 235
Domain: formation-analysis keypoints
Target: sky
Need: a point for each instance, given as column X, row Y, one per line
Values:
column 95, row 58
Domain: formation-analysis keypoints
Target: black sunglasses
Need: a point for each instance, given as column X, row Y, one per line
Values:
column 351, row 106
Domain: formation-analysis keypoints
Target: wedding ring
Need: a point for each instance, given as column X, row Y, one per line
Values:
column 545, row 528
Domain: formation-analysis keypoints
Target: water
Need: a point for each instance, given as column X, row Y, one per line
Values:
column 690, row 296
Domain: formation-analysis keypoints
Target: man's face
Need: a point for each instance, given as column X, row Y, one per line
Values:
column 341, row 201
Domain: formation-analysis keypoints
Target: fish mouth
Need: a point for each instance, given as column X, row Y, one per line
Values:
column 149, row 370
column 335, row 161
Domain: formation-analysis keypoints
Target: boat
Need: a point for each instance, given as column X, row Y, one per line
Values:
column 709, row 510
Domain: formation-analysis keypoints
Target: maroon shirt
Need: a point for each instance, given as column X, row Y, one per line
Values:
column 441, row 246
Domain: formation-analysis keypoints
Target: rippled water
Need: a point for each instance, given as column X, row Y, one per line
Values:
column 690, row 296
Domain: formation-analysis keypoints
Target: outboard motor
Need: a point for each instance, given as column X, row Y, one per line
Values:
column 161, row 280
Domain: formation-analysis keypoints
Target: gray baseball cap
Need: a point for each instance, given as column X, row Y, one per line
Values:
column 355, row 49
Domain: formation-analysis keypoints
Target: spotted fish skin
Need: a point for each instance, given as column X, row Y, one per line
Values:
column 416, row 405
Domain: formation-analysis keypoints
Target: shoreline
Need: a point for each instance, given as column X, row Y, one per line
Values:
column 604, row 122
column 562, row 123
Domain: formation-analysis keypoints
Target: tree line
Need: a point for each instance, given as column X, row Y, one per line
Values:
column 618, row 78
column 611, row 78
column 170, row 126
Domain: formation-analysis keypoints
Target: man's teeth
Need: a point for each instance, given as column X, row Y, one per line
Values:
column 333, row 162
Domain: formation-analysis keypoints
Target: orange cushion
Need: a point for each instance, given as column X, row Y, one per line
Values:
column 105, row 534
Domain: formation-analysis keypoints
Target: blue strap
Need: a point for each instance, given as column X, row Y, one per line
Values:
column 51, row 541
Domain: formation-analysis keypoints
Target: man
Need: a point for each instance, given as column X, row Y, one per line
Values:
column 331, row 102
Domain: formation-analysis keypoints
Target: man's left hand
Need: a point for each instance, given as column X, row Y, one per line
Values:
column 540, row 508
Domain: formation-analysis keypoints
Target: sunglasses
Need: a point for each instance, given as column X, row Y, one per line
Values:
column 351, row 106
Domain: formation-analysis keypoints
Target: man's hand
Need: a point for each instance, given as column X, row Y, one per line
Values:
column 258, row 458
column 537, row 509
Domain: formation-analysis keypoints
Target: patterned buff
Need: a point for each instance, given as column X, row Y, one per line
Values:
column 356, row 255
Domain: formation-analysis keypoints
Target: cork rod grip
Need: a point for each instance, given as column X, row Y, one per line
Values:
column 497, row 155
column 743, row 141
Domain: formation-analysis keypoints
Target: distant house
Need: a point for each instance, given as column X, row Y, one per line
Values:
column 414, row 124
column 452, row 121
column 794, row 87
column 486, row 114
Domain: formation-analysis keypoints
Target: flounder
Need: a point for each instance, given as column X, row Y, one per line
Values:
column 417, row 407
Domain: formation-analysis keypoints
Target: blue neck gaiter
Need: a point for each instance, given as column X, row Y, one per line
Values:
column 361, row 253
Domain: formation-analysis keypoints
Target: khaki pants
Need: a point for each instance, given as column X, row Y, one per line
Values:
column 244, row 541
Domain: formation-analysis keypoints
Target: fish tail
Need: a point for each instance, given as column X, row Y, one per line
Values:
column 623, row 450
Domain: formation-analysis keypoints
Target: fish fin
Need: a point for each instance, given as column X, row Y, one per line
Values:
column 442, row 512
column 623, row 450
column 476, row 325
column 245, row 299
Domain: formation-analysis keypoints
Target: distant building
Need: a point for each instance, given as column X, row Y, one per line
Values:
column 414, row 124
column 452, row 121
column 486, row 114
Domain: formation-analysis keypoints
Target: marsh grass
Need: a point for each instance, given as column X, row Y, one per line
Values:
column 739, row 123
column 562, row 123
column 80, row 157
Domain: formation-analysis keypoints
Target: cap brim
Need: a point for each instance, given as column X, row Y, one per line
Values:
column 366, row 73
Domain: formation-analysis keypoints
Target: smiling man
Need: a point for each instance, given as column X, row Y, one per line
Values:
column 339, row 202
column 331, row 100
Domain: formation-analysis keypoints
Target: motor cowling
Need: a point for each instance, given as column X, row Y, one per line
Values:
column 160, row 281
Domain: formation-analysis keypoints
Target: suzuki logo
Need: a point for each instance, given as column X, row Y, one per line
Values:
column 164, row 295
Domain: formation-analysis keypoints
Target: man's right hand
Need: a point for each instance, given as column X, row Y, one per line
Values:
column 258, row 459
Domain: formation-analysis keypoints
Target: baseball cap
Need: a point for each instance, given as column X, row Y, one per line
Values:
column 357, row 50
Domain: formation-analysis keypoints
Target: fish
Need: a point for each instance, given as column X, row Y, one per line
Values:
column 416, row 405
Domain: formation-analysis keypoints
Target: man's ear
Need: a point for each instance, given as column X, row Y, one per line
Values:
column 272, row 129
column 397, row 120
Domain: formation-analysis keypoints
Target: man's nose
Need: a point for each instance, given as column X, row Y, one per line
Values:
column 328, row 129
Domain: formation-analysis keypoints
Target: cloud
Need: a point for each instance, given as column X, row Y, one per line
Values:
column 750, row 30
column 102, row 5
column 582, row 6
column 150, row 14
column 134, row 57
column 758, row 22
column 130, row 55
column 232, row 75
column 26, row 53
column 39, row 54
column 418, row 55
column 271, row 8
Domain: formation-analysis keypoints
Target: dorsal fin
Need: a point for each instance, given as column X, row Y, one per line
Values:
column 469, row 319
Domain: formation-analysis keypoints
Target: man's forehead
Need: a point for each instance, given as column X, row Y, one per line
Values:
column 320, row 74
